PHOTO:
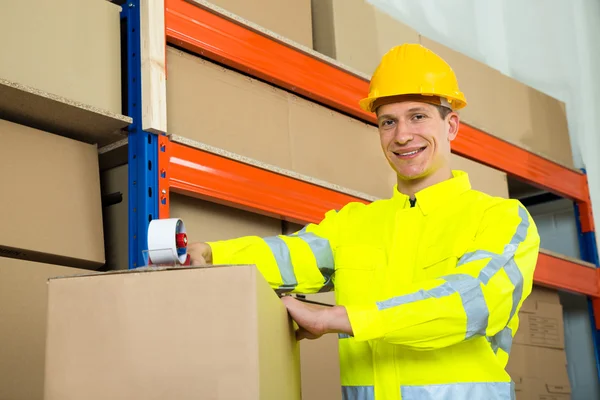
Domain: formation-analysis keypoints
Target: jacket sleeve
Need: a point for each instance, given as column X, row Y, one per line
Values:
column 478, row 298
column 302, row 262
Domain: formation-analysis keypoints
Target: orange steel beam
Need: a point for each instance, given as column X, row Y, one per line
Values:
column 560, row 273
column 204, row 175
column 213, row 36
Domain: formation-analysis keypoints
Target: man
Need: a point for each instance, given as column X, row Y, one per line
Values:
column 428, row 283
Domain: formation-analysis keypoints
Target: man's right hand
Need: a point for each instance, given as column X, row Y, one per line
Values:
column 200, row 254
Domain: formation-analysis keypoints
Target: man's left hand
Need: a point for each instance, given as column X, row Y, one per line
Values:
column 314, row 320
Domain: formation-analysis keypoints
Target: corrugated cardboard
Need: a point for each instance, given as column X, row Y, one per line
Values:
column 509, row 109
column 541, row 320
column 356, row 33
column 206, row 221
column 539, row 363
column 220, row 107
column 193, row 333
column 338, row 149
column 70, row 48
column 538, row 389
column 51, row 205
column 288, row 18
column 482, row 177
column 319, row 360
column 23, row 303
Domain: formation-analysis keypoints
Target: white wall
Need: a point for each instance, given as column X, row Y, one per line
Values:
column 551, row 45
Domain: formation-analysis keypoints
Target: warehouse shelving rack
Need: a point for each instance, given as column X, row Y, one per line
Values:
column 160, row 164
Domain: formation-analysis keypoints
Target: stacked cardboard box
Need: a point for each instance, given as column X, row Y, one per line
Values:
column 538, row 363
column 23, row 304
column 290, row 19
column 201, row 333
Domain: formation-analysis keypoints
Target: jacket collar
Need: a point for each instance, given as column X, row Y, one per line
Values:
column 436, row 195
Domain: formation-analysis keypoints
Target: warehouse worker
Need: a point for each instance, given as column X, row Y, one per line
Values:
column 429, row 282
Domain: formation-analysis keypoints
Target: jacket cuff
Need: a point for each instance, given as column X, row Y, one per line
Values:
column 366, row 321
column 220, row 253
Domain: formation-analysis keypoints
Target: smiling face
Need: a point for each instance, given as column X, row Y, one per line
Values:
column 416, row 139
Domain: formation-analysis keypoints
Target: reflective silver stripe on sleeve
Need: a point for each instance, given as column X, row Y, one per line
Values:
column 322, row 251
column 343, row 336
column 502, row 340
column 281, row 252
column 469, row 288
column 323, row 254
column 358, row 393
column 453, row 391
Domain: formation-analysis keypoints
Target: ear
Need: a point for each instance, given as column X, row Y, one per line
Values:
column 453, row 125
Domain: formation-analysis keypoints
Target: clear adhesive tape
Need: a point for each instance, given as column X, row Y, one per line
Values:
column 163, row 246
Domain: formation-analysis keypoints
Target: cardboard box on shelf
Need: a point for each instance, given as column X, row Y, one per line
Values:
column 319, row 361
column 290, row 19
column 539, row 363
column 23, row 303
column 356, row 33
column 538, row 122
column 78, row 43
column 209, row 333
column 539, row 389
column 541, row 320
column 51, row 209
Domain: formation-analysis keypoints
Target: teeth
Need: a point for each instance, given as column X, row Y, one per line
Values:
column 410, row 153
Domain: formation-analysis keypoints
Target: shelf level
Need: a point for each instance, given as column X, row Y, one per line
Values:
column 208, row 176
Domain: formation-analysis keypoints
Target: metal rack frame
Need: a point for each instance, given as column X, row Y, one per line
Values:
column 159, row 166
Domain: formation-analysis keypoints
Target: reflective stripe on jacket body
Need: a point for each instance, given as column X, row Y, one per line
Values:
column 432, row 291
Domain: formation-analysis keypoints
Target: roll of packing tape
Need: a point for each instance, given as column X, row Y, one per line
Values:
column 167, row 242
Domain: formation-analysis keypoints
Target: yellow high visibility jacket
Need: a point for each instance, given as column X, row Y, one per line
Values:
column 432, row 290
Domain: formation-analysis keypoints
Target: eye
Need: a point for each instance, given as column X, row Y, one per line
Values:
column 386, row 123
column 418, row 117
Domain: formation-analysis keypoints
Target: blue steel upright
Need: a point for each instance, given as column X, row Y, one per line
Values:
column 142, row 146
column 588, row 251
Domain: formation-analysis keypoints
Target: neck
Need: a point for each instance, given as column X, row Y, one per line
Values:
column 412, row 186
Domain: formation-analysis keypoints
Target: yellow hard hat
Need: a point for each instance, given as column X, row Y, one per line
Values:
column 411, row 69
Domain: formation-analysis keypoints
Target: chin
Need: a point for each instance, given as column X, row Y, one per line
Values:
column 412, row 172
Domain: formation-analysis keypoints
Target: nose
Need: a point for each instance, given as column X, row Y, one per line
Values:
column 403, row 134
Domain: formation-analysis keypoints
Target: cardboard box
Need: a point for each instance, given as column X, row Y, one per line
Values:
column 185, row 333
column 23, row 303
column 537, row 122
column 482, row 177
column 51, row 210
column 69, row 48
column 207, row 221
column 259, row 129
column 537, row 389
column 319, row 361
column 356, row 33
column 288, row 18
column 541, row 320
column 539, row 363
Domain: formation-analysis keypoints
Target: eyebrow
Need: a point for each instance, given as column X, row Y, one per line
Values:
column 392, row 116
